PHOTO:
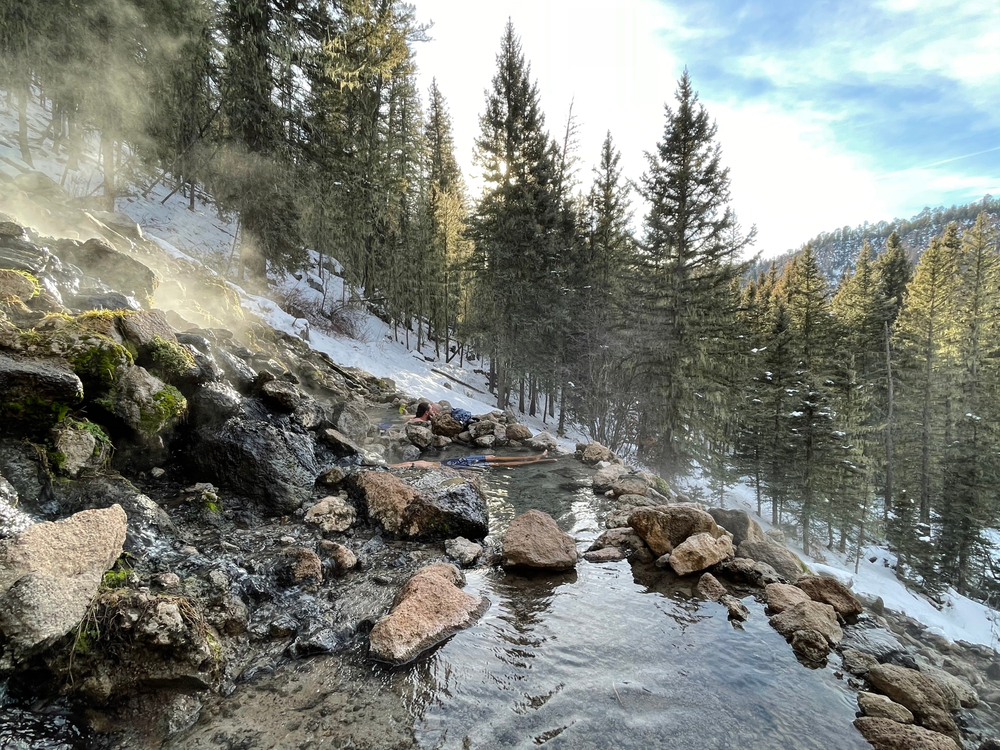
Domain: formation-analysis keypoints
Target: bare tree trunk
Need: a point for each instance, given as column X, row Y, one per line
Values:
column 520, row 395
column 108, row 154
column 532, row 396
column 561, row 429
column 22, row 126
column 889, row 467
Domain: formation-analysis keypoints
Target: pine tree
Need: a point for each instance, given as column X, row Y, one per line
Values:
column 689, row 259
column 972, row 470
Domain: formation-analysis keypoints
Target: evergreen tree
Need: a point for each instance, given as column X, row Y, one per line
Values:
column 689, row 257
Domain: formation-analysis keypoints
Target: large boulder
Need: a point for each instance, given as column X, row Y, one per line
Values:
column 270, row 464
column 442, row 504
column 50, row 572
column 873, row 704
column 699, row 552
column 13, row 520
column 663, row 527
column 24, row 383
column 739, row 524
column 782, row 596
column 543, row 441
column 629, row 484
column 830, row 591
column 419, row 434
column 919, row 693
column 957, row 692
column 885, row 734
column 755, row 573
column 626, row 540
column 594, row 453
column 606, row 477
column 352, row 420
column 518, row 432
column 782, row 560
column 119, row 271
column 809, row 616
column 534, row 540
column 146, row 404
column 445, row 424
column 428, row 609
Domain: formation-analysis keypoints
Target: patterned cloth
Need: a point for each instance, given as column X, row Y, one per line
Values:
column 465, row 461
column 462, row 416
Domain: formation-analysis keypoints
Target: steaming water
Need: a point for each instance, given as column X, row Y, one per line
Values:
column 611, row 656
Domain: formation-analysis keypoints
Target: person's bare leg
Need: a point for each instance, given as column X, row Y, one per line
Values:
column 518, row 459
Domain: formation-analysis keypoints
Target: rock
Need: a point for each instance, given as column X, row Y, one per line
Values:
column 77, row 448
column 212, row 404
column 957, row 692
column 533, row 540
column 331, row 514
column 146, row 404
column 605, row 554
column 482, row 428
column 626, row 540
column 830, row 591
column 737, row 610
column 238, row 371
column 698, row 552
column 857, row 662
column 274, row 466
column 119, row 271
column 342, row 556
column 811, row 645
column 518, row 432
column 781, row 596
column 710, row 587
column 776, row 535
column 739, row 524
column 605, row 477
column 352, row 420
column 884, row 734
column 428, row 609
column 331, row 477
column 782, row 560
column 50, row 572
column 664, row 527
column 27, row 382
column 917, row 692
column 304, row 566
column 629, row 484
column 486, row 441
column 141, row 329
column 873, row 704
column 17, row 285
column 12, row 520
column 441, row 504
column 281, row 396
column 463, row 550
column 543, row 441
column 808, row 616
column 419, row 434
column 445, row 424
column 748, row 571
column 877, row 642
column 39, row 183
column 339, row 443
column 594, row 452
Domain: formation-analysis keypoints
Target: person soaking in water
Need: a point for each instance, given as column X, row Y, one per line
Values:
column 471, row 462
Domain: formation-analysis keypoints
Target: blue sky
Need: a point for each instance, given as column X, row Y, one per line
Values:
column 829, row 113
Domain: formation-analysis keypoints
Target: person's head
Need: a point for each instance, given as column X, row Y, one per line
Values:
column 422, row 410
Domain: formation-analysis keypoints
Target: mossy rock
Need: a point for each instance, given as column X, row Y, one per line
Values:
column 19, row 285
column 168, row 360
column 163, row 408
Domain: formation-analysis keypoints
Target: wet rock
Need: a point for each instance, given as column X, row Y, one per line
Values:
column 534, row 540
column 332, row 514
column 146, row 404
column 428, row 609
column 737, row 610
column 339, row 443
column 418, row 434
column 917, row 692
column 352, row 420
column 17, row 285
column 873, row 704
column 957, row 692
column 77, row 447
column 463, row 550
column 119, row 271
column 808, row 616
column 303, row 566
column 749, row 571
column 342, row 556
column 782, row 560
column 606, row 554
column 739, row 524
column 710, row 587
column 441, row 504
column 629, row 484
column 23, row 382
column 698, row 552
column 486, row 441
column 51, row 571
column 212, row 404
column 606, row 477
column 877, row 642
column 518, row 432
column 272, row 465
column 281, row 396
column 20, row 255
column 830, row 591
column 238, row 371
column 626, row 540
column 857, row 662
column 12, row 519
column 141, row 329
column 884, row 734
column 782, row 596
column 811, row 645
column 331, row 477
column 664, row 527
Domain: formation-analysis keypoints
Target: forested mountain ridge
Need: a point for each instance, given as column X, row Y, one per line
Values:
column 837, row 251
